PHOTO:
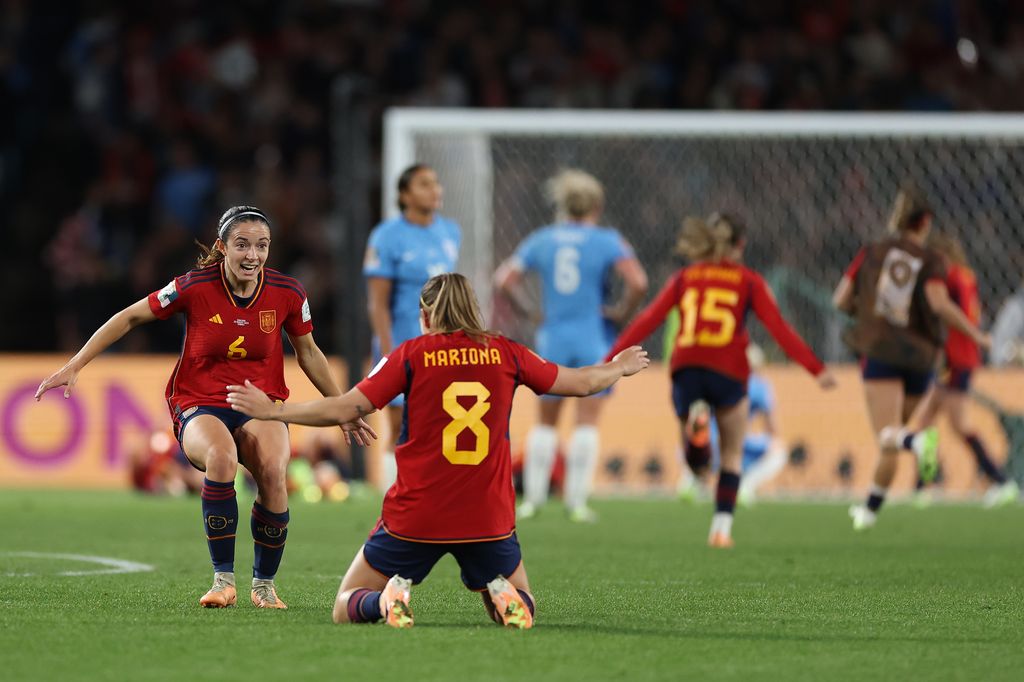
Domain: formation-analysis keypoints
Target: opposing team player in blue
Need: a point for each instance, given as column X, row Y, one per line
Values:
column 575, row 259
column 402, row 254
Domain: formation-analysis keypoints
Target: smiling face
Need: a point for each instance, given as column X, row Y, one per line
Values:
column 246, row 250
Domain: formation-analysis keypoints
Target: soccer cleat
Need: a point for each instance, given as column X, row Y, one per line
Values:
column 720, row 540
column 583, row 514
column 925, row 445
column 509, row 604
column 698, row 424
column 222, row 593
column 264, row 596
column 394, row 602
column 863, row 518
column 526, row 510
column 1001, row 495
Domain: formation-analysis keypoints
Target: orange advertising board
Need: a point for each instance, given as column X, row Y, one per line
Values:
column 83, row 442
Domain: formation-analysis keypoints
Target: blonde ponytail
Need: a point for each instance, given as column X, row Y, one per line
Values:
column 451, row 306
column 908, row 210
column 576, row 194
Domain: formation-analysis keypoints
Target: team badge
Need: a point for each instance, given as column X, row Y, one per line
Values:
column 268, row 320
column 167, row 295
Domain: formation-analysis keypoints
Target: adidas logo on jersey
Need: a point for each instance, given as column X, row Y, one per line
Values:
column 216, row 319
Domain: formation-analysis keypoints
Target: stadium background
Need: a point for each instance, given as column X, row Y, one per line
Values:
column 128, row 128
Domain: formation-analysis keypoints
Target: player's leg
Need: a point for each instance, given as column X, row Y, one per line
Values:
column 208, row 445
column 581, row 459
column 388, row 465
column 264, row 449
column 884, row 399
column 378, row 582
column 541, row 449
column 695, row 417
column 732, row 427
column 763, row 458
column 495, row 569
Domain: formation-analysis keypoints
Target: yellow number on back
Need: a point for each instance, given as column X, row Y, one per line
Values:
column 235, row 350
column 715, row 308
column 463, row 419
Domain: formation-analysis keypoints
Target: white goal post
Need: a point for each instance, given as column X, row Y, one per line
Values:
column 812, row 187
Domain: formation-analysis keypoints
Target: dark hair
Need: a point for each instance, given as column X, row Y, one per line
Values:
column 909, row 210
column 231, row 217
column 405, row 179
column 712, row 238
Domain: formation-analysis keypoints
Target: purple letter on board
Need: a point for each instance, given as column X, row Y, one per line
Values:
column 122, row 410
column 10, row 418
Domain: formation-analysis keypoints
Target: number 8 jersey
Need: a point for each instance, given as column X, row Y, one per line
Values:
column 713, row 299
column 228, row 339
column 454, row 462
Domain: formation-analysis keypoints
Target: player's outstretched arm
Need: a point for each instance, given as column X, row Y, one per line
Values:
column 585, row 381
column 333, row 411
column 104, row 337
column 938, row 299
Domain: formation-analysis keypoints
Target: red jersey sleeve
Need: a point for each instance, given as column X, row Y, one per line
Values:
column 171, row 299
column 299, row 321
column 534, row 371
column 854, row 267
column 387, row 380
column 648, row 319
column 767, row 310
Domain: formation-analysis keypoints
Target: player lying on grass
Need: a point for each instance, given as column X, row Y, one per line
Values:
column 454, row 489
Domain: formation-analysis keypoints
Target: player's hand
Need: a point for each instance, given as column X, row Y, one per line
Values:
column 632, row 360
column 66, row 376
column 250, row 400
column 827, row 380
column 358, row 431
column 983, row 339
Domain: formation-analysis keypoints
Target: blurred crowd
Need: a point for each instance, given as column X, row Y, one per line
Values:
column 127, row 127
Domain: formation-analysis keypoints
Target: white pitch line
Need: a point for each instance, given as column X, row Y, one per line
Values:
column 113, row 566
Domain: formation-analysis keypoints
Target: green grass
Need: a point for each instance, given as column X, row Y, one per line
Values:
column 934, row 594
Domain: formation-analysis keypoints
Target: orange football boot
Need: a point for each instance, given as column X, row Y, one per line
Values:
column 394, row 602
column 222, row 593
column 264, row 596
column 509, row 604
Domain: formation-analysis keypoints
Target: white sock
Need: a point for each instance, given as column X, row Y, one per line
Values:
column 580, row 462
column 766, row 468
column 721, row 522
column 541, row 446
column 388, row 470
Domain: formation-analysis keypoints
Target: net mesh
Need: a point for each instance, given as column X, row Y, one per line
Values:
column 809, row 203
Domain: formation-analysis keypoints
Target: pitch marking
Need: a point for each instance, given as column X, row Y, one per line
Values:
column 113, row 566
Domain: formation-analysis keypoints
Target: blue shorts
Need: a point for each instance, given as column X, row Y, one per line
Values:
column 481, row 562
column 914, row 382
column 754, row 448
column 691, row 384
column 572, row 348
column 231, row 419
column 956, row 379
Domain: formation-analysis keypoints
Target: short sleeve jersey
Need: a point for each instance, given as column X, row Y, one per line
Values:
column 409, row 255
column 574, row 262
column 961, row 351
column 454, row 479
column 227, row 339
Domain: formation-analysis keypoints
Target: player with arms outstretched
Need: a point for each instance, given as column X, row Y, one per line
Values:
column 574, row 258
column 401, row 255
column 895, row 290
column 235, row 309
column 453, row 493
column 709, row 361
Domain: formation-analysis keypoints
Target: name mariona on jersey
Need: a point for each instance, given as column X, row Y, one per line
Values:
column 453, row 357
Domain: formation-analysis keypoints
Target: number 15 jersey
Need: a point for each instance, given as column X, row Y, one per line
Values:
column 454, row 463
column 229, row 340
column 714, row 299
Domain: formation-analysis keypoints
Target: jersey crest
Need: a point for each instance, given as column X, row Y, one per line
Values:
column 268, row 320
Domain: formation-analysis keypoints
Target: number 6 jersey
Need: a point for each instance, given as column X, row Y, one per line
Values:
column 454, row 463
column 229, row 339
column 713, row 300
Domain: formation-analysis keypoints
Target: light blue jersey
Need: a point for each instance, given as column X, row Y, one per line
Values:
column 409, row 255
column 574, row 262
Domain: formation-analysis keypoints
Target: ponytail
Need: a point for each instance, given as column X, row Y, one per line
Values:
column 451, row 306
column 710, row 239
column 908, row 211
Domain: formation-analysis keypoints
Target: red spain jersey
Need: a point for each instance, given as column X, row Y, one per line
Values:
column 961, row 351
column 713, row 301
column 227, row 339
column 454, row 464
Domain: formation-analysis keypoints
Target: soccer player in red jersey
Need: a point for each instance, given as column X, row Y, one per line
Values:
column 235, row 309
column 709, row 359
column 895, row 290
column 453, row 493
column 962, row 356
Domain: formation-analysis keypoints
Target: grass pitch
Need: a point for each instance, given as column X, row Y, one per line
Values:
column 934, row 594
